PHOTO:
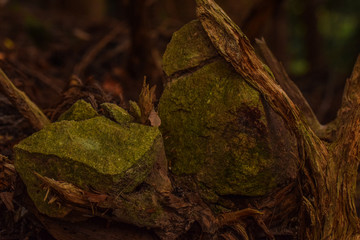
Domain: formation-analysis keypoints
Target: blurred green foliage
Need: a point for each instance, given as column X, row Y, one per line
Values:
column 338, row 24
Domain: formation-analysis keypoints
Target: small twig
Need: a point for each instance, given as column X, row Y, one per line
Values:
column 24, row 105
column 94, row 51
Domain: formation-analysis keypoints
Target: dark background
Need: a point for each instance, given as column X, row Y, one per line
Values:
column 317, row 40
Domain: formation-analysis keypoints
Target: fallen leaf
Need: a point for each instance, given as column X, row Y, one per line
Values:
column 154, row 119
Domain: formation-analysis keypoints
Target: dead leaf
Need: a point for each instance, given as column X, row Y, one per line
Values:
column 154, row 119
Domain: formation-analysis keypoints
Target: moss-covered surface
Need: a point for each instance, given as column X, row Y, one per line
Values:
column 135, row 110
column 95, row 153
column 117, row 113
column 214, row 124
column 140, row 208
column 188, row 48
column 80, row 110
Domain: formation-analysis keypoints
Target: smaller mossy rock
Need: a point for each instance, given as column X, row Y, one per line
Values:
column 135, row 110
column 218, row 128
column 188, row 48
column 116, row 113
column 80, row 110
column 96, row 153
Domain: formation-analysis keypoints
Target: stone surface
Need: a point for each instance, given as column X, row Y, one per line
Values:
column 96, row 153
column 135, row 110
column 80, row 110
column 217, row 127
column 187, row 49
column 117, row 113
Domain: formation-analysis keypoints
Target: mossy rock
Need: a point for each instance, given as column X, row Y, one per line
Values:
column 217, row 127
column 80, row 110
column 95, row 153
column 117, row 113
column 135, row 110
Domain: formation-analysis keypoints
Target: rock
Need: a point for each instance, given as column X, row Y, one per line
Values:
column 217, row 127
column 135, row 110
column 80, row 110
column 93, row 154
column 117, row 113
column 187, row 49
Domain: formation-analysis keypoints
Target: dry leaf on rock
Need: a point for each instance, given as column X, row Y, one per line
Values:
column 154, row 119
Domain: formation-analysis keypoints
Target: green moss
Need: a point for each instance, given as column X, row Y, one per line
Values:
column 135, row 110
column 96, row 153
column 37, row 193
column 214, row 123
column 140, row 209
column 117, row 113
column 208, row 194
column 188, row 48
column 80, row 110
column 217, row 130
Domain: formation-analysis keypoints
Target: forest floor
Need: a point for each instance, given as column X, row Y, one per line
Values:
column 39, row 51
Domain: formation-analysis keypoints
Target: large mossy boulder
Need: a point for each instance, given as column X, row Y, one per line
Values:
column 95, row 154
column 218, row 128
